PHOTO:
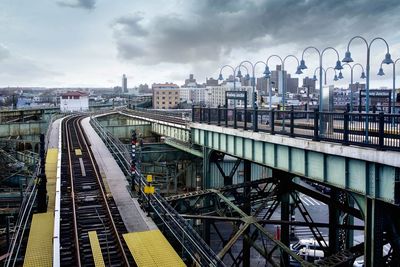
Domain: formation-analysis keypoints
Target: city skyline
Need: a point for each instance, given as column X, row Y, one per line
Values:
column 89, row 43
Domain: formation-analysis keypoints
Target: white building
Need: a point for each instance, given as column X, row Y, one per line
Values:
column 194, row 95
column 185, row 94
column 215, row 95
column 74, row 101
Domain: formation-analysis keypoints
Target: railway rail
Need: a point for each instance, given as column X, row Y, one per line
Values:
column 85, row 205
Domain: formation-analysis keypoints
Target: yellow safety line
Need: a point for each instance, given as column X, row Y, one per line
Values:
column 40, row 242
column 96, row 250
column 151, row 248
column 51, row 175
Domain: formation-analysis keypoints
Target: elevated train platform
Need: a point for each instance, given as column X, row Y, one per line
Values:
column 143, row 239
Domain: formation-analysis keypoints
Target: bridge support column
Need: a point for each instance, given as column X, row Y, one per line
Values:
column 284, row 195
column 206, row 184
column 333, row 223
column 247, row 210
column 350, row 233
column 373, row 248
column 42, row 191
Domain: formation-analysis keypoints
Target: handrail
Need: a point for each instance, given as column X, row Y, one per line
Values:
column 346, row 128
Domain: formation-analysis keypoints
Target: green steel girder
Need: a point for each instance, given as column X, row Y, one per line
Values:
column 220, row 201
column 327, row 200
column 25, row 129
column 183, row 146
column 317, row 161
column 178, row 133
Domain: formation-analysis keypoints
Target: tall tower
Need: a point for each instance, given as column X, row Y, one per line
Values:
column 124, row 84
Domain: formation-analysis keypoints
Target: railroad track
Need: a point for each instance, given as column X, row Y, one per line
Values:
column 85, row 206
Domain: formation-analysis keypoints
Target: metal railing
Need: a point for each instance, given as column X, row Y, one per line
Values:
column 23, row 219
column 190, row 240
column 347, row 128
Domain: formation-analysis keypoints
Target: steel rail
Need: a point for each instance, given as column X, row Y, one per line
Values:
column 103, row 194
column 69, row 144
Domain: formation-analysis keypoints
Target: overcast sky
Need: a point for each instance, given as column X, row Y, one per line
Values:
column 91, row 43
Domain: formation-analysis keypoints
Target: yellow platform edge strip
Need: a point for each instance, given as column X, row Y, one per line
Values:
column 39, row 251
column 151, row 248
column 51, row 175
column 96, row 250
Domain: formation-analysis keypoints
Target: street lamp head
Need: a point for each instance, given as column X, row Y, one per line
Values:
column 340, row 75
column 363, row 75
column 239, row 74
column 380, row 72
column 266, row 76
column 388, row 59
column 347, row 57
column 335, row 78
column 315, row 78
column 247, row 77
column 302, row 65
column 266, row 71
column 220, row 77
column 338, row 65
column 299, row 70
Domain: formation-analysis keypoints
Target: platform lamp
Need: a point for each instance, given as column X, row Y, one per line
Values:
column 303, row 66
column 386, row 60
column 352, row 80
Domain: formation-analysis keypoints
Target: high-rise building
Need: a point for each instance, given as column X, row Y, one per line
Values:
column 278, row 77
column 124, row 84
column 165, row 95
column 191, row 82
column 309, row 83
column 211, row 82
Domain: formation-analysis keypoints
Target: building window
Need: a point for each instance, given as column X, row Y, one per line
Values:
column 163, row 102
column 170, row 103
column 176, row 93
column 169, row 93
column 64, row 97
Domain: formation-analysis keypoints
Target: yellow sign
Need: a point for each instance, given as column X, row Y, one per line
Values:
column 149, row 189
column 149, row 178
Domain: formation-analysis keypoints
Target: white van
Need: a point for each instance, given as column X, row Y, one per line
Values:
column 307, row 243
column 311, row 255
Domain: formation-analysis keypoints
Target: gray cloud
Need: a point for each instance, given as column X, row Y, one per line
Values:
column 85, row 4
column 211, row 29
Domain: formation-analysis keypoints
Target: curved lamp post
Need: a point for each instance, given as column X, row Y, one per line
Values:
column 254, row 94
column 394, row 84
column 267, row 73
column 239, row 75
column 352, row 80
column 348, row 59
column 325, row 71
column 303, row 66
